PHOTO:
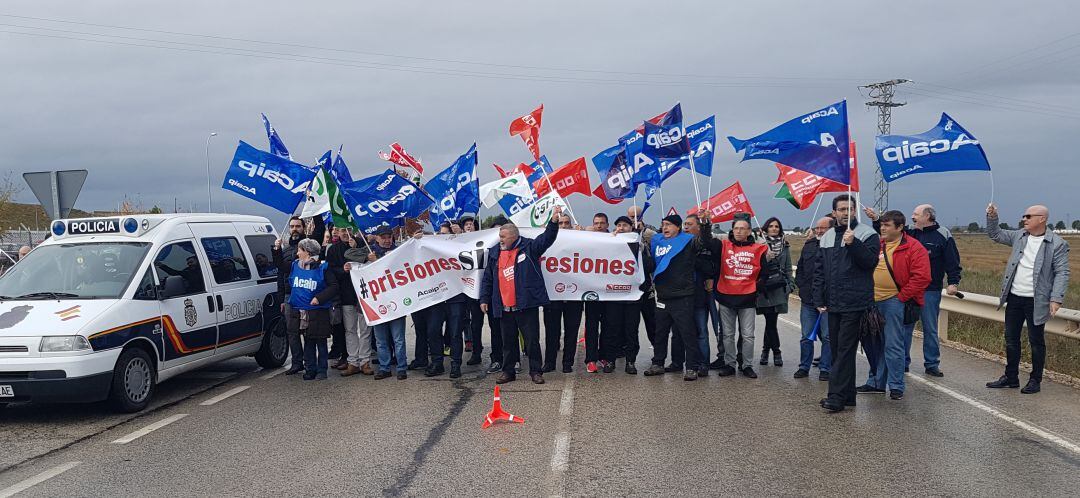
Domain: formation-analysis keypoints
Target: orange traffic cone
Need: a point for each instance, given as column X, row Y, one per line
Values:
column 497, row 413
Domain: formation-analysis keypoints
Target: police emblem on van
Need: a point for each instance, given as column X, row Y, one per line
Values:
column 191, row 317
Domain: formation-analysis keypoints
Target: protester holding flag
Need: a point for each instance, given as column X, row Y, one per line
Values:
column 562, row 319
column 809, row 317
column 741, row 273
column 673, row 258
column 622, row 319
column 513, row 289
column 772, row 300
column 844, row 287
column 313, row 291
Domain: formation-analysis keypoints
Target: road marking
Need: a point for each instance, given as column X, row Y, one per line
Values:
column 224, row 395
column 23, row 485
column 560, row 454
column 150, row 428
column 274, row 373
column 1022, row 424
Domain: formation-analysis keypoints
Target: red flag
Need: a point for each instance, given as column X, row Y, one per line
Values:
column 528, row 126
column 399, row 157
column 724, row 205
column 599, row 193
column 804, row 187
column 573, row 177
column 502, row 173
column 655, row 120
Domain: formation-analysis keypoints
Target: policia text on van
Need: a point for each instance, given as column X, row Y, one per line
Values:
column 108, row 307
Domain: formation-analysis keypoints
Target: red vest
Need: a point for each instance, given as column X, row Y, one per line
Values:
column 739, row 268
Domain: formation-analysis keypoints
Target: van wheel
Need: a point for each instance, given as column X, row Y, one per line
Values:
column 133, row 382
column 275, row 347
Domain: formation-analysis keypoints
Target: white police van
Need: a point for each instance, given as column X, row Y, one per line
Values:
column 106, row 308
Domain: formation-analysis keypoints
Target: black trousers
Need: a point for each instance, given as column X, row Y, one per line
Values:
column 337, row 334
column 475, row 327
column 528, row 322
column 1017, row 311
column 594, row 319
column 620, row 333
column 648, row 315
column 445, row 318
column 562, row 320
column 495, row 331
column 772, row 334
column 676, row 316
column 843, row 343
column 420, row 332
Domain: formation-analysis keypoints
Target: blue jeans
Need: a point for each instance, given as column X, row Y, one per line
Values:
column 808, row 315
column 701, row 320
column 889, row 372
column 315, row 365
column 394, row 329
column 931, row 346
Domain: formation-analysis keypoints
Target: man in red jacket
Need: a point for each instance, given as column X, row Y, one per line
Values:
column 901, row 277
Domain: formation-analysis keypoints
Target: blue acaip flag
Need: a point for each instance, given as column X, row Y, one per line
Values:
column 268, row 178
column 456, row 189
column 339, row 171
column 945, row 147
column 666, row 140
column 379, row 200
column 816, row 143
column 615, row 174
column 277, row 147
column 702, row 137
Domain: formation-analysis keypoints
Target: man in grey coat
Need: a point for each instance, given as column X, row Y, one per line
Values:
column 1032, row 289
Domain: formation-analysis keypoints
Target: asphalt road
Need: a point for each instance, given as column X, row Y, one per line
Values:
column 584, row 434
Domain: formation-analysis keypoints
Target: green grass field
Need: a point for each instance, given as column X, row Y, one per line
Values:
column 984, row 261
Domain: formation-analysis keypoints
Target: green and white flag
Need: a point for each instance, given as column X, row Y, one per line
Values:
column 318, row 197
column 538, row 213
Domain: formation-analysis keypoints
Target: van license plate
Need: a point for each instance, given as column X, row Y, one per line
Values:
column 7, row 392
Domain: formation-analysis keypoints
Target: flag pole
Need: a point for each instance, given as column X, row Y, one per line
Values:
column 551, row 187
column 991, row 186
column 662, row 208
column 708, row 200
column 693, row 170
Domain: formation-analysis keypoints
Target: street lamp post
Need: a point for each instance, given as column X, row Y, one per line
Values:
column 209, row 197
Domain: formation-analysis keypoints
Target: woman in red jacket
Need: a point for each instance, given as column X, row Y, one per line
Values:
column 901, row 277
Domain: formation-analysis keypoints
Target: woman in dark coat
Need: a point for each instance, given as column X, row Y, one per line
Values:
column 313, row 291
column 773, row 299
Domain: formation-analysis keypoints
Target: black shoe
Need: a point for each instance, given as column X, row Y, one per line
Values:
column 831, row 406
column 801, row 374
column 495, row 367
column 434, row 370
column 703, row 372
column 1003, row 382
column 294, row 370
column 672, row 368
column 717, row 364
column 896, row 395
column 455, row 372
column 823, row 376
column 690, row 375
column 777, row 359
column 934, row 372
column 630, row 368
column 609, row 366
column 868, row 389
column 537, row 378
column 402, row 375
column 417, row 366
column 567, row 369
column 475, row 360
column 1033, row 386
column 826, row 400
column 749, row 372
column 764, row 357
column 654, row 370
column 725, row 371
column 383, row 374
column 309, row 375
column 548, row 368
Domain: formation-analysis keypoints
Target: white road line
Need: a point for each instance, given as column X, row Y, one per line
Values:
column 560, row 454
column 1022, row 424
column 274, row 373
column 224, row 395
column 150, row 428
column 23, row 485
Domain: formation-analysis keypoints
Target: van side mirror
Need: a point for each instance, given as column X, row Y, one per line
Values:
column 173, row 286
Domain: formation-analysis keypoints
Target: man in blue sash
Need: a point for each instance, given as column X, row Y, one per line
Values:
column 672, row 261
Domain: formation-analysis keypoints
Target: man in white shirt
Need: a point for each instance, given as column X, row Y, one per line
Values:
column 1032, row 290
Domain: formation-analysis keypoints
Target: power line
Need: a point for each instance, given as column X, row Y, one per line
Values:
column 883, row 93
column 1032, row 103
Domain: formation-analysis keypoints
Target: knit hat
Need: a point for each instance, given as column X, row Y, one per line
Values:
column 624, row 219
column 674, row 219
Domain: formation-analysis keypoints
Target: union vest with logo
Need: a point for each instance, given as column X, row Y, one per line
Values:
column 739, row 268
column 306, row 284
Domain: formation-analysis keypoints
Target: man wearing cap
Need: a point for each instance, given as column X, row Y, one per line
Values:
column 562, row 320
column 513, row 289
column 620, row 332
column 673, row 259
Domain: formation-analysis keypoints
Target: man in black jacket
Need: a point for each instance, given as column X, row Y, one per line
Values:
column 808, row 313
column 672, row 261
column 357, row 336
column 844, row 287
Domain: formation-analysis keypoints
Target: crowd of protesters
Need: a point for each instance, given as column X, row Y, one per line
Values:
column 856, row 284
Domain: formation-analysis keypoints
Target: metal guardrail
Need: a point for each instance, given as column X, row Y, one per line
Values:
column 1066, row 323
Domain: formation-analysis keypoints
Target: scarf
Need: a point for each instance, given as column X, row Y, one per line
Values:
column 776, row 244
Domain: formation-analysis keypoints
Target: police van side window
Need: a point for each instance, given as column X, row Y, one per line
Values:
column 260, row 246
column 180, row 260
column 146, row 291
column 227, row 261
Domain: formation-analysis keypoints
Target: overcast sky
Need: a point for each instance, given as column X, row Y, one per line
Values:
column 451, row 73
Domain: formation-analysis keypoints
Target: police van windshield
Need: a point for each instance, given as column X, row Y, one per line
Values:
column 74, row 271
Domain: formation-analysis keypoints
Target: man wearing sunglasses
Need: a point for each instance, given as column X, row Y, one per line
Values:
column 1032, row 290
